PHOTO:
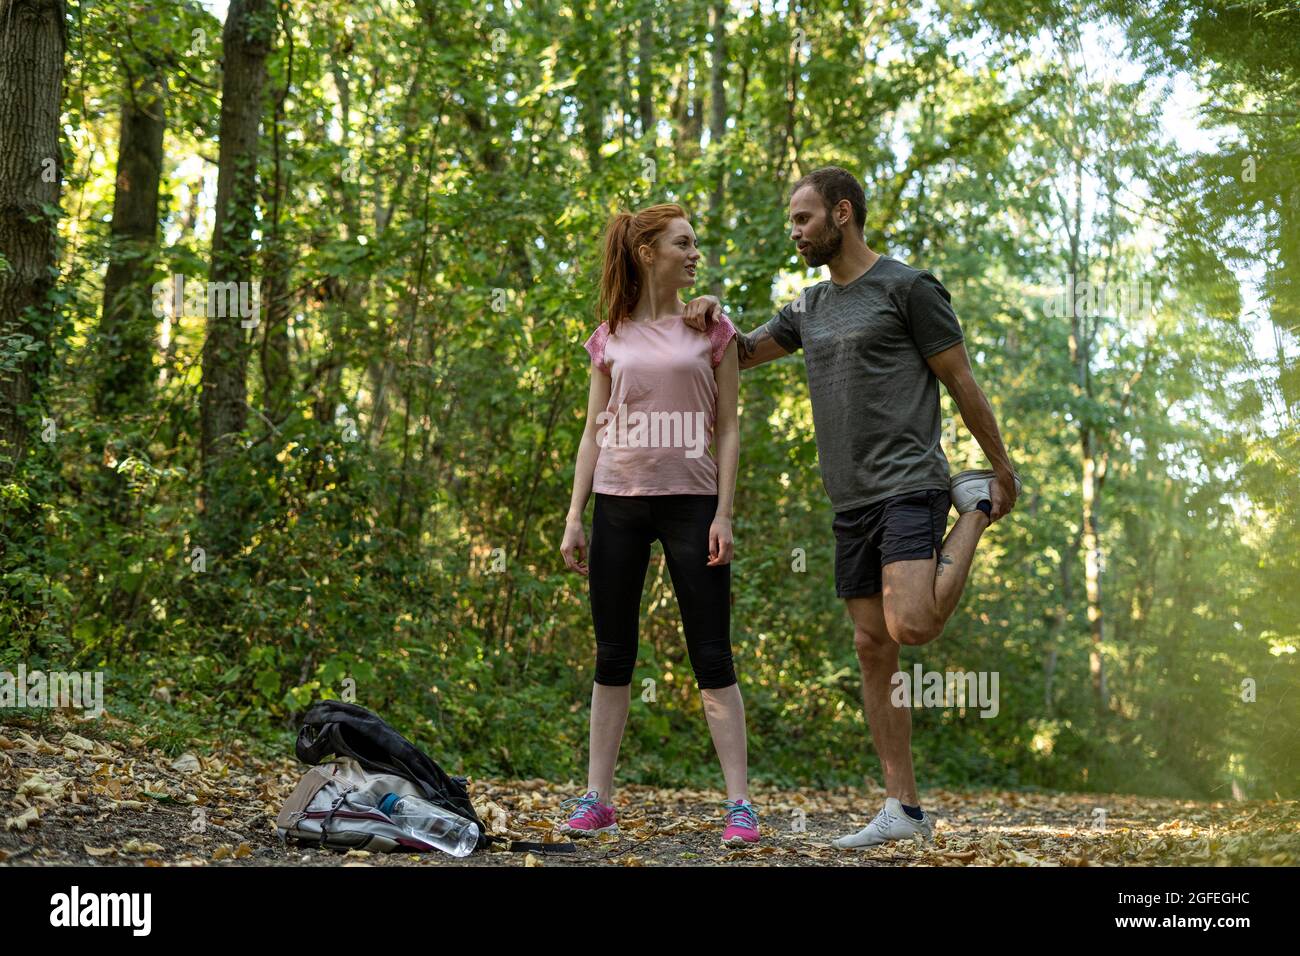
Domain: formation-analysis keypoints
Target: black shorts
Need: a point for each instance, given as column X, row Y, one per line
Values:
column 906, row 527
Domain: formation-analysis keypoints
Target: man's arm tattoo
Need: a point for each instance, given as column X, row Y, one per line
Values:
column 748, row 344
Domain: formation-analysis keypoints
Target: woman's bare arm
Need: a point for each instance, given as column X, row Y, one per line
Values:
column 573, row 547
column 588, row 449
column 726, row 439
column 726, row 429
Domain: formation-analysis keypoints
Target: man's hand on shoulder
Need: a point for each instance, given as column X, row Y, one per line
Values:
column 753, row 349
column 701, row 312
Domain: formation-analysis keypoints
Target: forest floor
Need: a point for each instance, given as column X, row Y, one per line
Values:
column 70, row 795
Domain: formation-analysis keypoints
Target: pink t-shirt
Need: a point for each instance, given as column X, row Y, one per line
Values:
column 655, row 433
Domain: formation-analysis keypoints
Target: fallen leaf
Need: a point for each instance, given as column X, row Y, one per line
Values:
column 187, row 763
column 35, row 786
column 27, row 818
column 135, row 846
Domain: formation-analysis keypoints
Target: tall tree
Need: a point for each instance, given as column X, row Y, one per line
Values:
column 276, row 364
column 127, row 323
column 33, row 38
column 717, row 131
column 645, row 64
column 246, row 42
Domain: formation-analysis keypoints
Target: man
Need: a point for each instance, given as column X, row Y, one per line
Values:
column 878, row 336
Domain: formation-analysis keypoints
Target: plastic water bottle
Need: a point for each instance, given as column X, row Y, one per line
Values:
column 449, row 832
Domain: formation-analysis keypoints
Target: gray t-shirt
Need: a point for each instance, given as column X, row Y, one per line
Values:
column 875, row 401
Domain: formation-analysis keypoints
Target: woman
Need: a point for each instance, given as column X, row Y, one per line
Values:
column 660, row 392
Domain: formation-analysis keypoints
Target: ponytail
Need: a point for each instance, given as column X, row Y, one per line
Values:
column 620, row 274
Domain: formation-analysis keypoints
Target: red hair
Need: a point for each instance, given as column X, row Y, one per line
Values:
column 620, row 275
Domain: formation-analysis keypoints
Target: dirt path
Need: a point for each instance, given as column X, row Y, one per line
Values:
column 70, row 796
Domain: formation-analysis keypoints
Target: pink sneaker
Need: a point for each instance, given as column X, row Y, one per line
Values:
column 589, row 816
column 742, row 823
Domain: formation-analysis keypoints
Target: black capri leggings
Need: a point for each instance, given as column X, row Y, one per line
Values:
column 622, row 529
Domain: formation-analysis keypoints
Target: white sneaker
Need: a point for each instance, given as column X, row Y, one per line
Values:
column 968, row 488
column 891, row 823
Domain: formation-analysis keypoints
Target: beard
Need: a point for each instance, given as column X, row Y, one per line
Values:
column 826, row 246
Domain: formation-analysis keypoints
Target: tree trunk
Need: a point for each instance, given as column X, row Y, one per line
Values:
column 127, row 324
column 224, row 408
column 591, row 87
column 1092, row 567
column 717, row 131
column 788, row 159
column 1058, row 628
column 276, row 364
column 694, row 93
column 32, row 44
column 645, row 76
column 277, row 371
column 1081, row 336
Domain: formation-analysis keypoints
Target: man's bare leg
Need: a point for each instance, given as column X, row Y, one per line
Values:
column 920, row 596
column 891, row 729
column 955, row 560
column 890, row 726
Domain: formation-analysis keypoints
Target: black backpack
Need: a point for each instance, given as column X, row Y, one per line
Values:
column 334, row 727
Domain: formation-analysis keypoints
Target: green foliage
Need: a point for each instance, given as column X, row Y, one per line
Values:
column 436, row 178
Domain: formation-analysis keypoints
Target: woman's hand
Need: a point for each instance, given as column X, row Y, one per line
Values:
column 721, row 546
column 574, row 546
